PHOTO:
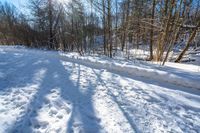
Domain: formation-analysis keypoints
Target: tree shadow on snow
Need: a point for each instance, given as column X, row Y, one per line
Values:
column 147, row 104
column 56, row 77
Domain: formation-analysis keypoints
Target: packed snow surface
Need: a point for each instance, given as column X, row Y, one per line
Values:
column 47, row 92
column 187, row 75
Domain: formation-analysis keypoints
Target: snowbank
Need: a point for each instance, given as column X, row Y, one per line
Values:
column 165, row 74
column 186, row 75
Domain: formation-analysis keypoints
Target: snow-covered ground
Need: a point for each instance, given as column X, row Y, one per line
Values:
column 179, row 74
column 45, row 91
column 192, row 56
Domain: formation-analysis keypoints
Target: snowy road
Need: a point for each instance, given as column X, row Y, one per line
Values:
column 40, row 92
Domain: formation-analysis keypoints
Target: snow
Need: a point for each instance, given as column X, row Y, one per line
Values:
column 47, row 91
column 188, row 77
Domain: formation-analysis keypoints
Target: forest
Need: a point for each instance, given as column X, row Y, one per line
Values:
column 99, row 66
column 104, row 26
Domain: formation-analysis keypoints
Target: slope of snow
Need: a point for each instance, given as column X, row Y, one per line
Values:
column 42, row 91
column 188, row 76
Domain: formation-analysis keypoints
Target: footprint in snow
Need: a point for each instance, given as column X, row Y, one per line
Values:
column 59, row 116
column 53, row 112
column 38, row 124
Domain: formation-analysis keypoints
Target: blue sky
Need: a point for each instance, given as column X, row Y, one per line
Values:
column 18, row 3
column 21, row 4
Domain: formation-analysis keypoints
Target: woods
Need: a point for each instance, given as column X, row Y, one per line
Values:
column 103, row 26
column 100, row 66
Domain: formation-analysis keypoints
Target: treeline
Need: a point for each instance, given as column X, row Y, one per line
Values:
column 103, row 26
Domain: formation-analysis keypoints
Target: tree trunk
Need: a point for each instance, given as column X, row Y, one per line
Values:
column 50, row 24
column 192, row 36
column 104, row 27
column 152, row 30
column 176, row 29
column 110, row 28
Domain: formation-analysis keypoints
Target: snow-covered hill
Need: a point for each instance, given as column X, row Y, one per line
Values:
column 45, row 91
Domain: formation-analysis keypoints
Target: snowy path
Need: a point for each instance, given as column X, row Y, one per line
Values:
column 40, row 92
